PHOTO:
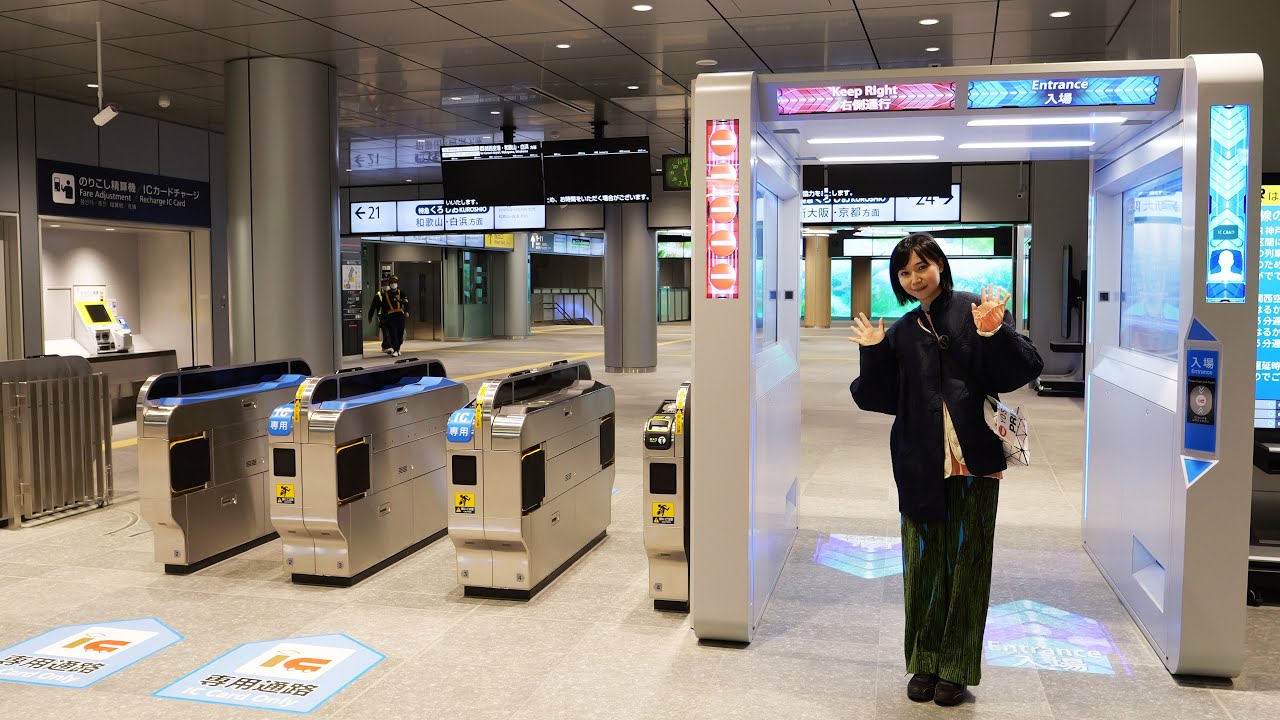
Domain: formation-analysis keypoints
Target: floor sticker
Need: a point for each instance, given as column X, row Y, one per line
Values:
column 294, row 675
column 863, row 556
column 1031, row 635
column 78, row 656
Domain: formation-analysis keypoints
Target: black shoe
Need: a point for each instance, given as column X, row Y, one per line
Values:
column 920, row 689
column 948, row 693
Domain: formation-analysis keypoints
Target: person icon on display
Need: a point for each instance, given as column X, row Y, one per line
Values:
column 1226, row 272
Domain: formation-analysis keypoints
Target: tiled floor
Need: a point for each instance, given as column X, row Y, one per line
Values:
column 590, row 646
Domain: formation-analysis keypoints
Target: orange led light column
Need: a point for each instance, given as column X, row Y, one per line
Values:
column 722, row 209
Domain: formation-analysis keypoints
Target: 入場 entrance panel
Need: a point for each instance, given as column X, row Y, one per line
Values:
column 1172, row 299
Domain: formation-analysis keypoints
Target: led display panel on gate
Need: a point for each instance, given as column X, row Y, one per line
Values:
column 722, row 209
column 1228, row 203
column 1266, row 406
column 1057, row 92
column 881, row 97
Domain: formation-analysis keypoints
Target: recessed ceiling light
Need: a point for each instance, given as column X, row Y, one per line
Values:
column 495, row 112
column 932, row 49
column 55, row 226
column 1026, row 144
column 455, row 98
column 564, row 46
column 1013, row 121
column 929, row 21
column 633, row 87
column 707, row 63
column 864, row 140
column 876, row 158
column 642, row 8
column 1060, row 14
column 92, row 85
column 408, row 179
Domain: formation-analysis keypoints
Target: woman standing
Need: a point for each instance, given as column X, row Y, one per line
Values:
column 932, row 370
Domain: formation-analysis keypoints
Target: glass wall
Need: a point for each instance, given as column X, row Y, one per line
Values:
column 765, row 253
column 841, row 288
column 1151, row 267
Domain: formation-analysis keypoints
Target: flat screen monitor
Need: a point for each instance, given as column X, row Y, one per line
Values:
column 594, row 171
column 884, row 180
column 489, row 175
column 97, row 312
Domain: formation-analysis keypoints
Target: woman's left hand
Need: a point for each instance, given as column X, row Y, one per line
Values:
column 990, row 314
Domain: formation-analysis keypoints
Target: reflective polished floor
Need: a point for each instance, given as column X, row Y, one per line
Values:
column 591, row 646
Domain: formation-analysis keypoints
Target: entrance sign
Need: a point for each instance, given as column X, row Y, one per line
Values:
column 97, row 193
column 861, row 556
column 881, row 97
column 1228, row 203
column 1266, row 405
column 1055, row 92
column 78, row 656
column 1035, row 636
column 722, row 209
column 295, row 675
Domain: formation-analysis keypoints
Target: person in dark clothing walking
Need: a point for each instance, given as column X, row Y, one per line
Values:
column 932, row 370
column 376, row 309
column 393, row 309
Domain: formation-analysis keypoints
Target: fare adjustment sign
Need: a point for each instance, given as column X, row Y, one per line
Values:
column 85, row 191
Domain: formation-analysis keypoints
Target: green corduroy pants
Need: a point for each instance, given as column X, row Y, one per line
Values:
column 946, row 570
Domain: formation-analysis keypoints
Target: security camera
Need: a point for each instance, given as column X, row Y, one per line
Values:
column 107, row 114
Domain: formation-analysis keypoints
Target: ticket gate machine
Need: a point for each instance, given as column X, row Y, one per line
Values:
column 357, row 469
column 666, row 502
column 531, row 466
column 202, row 458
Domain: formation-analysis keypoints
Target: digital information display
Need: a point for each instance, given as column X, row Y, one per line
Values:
column 1266, row 412
column 722, row 209
column 1057, row 92
column 1228, row 203
column 874, row 98
column 824, row 207
column 675, row 172
column 490, row 175
column 431, row 216
column 605, row 170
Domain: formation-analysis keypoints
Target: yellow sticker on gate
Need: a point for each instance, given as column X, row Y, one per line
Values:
column 480, row 406
column 664, row 513
column 464, row 503
column 286, row 494
column 681, row 397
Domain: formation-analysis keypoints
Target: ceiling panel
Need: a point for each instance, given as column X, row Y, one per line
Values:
column 752, row 8
column 956, row 47
column 16, row 66
column 405, row 81
column 362, row 61
column 678, row 37
column 582, row 43
column 327, row 8
column 84, row 56
column 792, row 29
column 288, row 38
column 1052, row 42
column 17, row 35
column 178, row 102
column 814, row 55
column 205, row 14
column 1027, row 59
column 613, row 13
column 1034, row 14
column 397, row 27
column 876, row 4
column 454, row 98
column 79, row 19
column 972, row 17
column 77, row 87
column 729, row 60
column 514, row 17
column 627, row 67
column 522, row 73
column 377, row 104
column 187, row 47
column 456, row 53
column 7, row 5
column 170, row 77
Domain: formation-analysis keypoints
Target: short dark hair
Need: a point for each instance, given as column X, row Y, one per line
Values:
column 923, row 245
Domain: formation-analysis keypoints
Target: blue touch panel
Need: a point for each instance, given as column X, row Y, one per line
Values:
column 280, row 424
column 1071, row 92
column 77, row 656
column 1032, row 635
column 1200, row 332
column 1201, row 431
column 1196, row 468
column 1228, row 203
column 1266, row 406
column 295, row 675
column 862, row 556
column 461, row 423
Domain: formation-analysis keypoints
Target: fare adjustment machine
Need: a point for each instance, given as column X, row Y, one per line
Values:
column 531, row 466
column 202, row 458
column 666, row 502
column 101, row 331
column 357, row 469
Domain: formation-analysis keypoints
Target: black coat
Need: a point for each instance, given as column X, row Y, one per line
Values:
column 905, row 376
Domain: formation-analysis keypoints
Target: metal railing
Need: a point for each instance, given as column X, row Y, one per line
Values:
column 55, row 439
column 569, row 305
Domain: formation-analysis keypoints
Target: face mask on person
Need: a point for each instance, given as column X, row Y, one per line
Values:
column 395, row 286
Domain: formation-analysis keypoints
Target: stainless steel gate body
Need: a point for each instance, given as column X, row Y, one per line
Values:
column 358, row 469
column 202, row 458
column 532, row 478
column 55, row 439
column 666, row 502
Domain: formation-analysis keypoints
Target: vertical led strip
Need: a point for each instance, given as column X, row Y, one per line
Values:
column 722, row 209
column 1228, row 204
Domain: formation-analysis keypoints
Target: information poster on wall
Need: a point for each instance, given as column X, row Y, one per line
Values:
column 1228, row 203
column 1266, row 412
column 86, row 191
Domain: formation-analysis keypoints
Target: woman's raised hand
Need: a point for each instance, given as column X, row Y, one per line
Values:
column 864, row 333
column 990, row 313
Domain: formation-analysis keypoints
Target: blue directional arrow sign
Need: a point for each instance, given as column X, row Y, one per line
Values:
column 1071, row 92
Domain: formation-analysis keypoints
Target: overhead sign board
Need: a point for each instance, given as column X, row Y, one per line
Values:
column 431, row 216
column 77, row 656
column 1057, row 92
column 420, row 216
column 373, row 217
column 869, row 98
column 86, row 191
column 826, row 207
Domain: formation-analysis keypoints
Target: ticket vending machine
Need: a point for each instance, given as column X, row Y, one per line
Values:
column 666, row 502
